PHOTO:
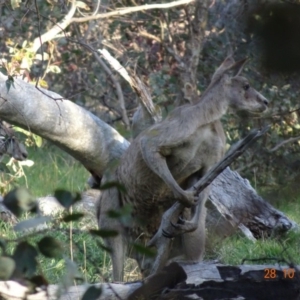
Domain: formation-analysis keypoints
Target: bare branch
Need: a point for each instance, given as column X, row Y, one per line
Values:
column 279, row 145
column 129, row 10
column 118, row 88
column 68, row 19
column 136, row 84
column 56, row 29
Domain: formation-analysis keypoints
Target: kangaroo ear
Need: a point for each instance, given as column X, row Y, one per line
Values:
column 225, row 65
column 228, row 62
column 238, row 67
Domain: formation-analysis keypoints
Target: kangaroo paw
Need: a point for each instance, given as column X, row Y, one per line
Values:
column 183, row 226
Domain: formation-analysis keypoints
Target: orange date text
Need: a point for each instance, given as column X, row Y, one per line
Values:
column 272, row 273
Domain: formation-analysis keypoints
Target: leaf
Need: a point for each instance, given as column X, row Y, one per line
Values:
column 7, row 267
column 39, row 281
column 124, row 215
column 72, row 273
column 286, row 87
column 39, row 56
column 27, row 163
column 113, row 184
column 9, row 82
column 50, row 247
column 66, row 198
column 73, row 217
column 100, row 245
column 2, row 244
column 104, row 233
column 25, row 258
column 53, row 69
column 15, row 3
column 82, row 5
column 92, row 293
column 31, row 223
column 3, row 70
column 43, row 83
column 24, row 44
column 4, row 168
column 19, row 200
column 144, row 250
column 38, row 140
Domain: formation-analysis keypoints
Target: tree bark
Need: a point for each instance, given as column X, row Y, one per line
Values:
column 236, row 204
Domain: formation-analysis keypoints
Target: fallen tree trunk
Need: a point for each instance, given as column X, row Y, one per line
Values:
column 209, row 281
column 236, row 204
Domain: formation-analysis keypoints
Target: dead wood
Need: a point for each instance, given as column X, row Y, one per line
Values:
column 236, row 204
column 147, row 113
column 206, row 280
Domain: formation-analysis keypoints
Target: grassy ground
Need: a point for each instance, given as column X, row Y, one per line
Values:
column 53, row 168
column 236, row 248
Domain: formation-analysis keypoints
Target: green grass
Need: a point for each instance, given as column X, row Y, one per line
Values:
column 52, row 169
column 234, row 249
column 92, row 262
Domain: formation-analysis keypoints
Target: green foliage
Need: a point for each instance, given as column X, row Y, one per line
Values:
column 25, row 257
column 148, row 252
column 73, row 217
column 9, row 83
column 66, row 198
column 4, row 168
column 31, row 223
column 25, row 261
column 20, row 200
column 50, row 247
column 113, row 184
column 104, row 233
column 92, row 293
column 7, row 267
column 123, row 214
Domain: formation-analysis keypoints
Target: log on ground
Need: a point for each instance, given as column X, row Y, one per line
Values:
column 204, row 281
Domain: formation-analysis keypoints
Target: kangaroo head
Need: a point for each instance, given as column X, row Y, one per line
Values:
column 239, row 93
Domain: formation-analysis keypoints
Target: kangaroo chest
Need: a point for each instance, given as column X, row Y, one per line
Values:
column 202, row 149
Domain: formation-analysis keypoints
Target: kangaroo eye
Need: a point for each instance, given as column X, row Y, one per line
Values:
column 246, row 87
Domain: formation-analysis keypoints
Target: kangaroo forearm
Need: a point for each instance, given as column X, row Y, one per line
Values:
column 157, row 163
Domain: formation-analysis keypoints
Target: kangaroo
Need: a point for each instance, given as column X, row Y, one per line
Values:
column 166, row 159
column 9, row 144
